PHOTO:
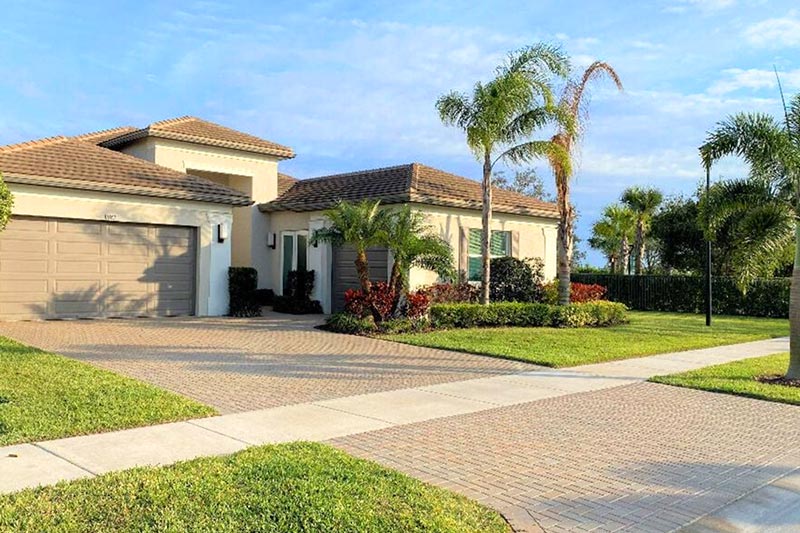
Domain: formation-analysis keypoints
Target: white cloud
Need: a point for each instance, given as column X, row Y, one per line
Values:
column 736, row 79
column 775, row 32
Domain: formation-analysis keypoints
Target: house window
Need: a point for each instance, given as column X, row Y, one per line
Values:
column 294, row 252
column 499, row 246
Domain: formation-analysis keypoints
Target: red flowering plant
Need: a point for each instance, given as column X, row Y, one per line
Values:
column 418, row 304
column 378, row 303
column 583, row 292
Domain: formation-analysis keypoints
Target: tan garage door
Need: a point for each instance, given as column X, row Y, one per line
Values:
column 58, row 268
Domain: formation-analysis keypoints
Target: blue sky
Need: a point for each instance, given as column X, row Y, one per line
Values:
column 352, row 85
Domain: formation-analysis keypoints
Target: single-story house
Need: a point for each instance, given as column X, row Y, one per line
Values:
column 146, row 221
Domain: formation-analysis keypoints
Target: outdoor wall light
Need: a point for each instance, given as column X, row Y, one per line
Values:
column 271, row 241
column 222, row 232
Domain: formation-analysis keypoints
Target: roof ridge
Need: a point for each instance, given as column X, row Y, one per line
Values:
column 358, row 172
column 89, row 135
column 34, row 143
column 170, row 121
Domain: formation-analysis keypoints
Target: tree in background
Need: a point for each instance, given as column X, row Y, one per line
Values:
column 676, row 229
column 644, row 202
column 772, row 150
column 612, row 235
column 573, row 105
column 500, row 117
column 361, row 225
column 6, row 203
column 526, row 182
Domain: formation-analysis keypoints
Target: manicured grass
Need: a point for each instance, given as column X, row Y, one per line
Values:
column 298, row 487
column 647, row 334
column 47, row 396
column 738, row 378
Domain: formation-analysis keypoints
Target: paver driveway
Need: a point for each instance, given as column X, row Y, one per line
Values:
column 247, row 364
column 642, row 457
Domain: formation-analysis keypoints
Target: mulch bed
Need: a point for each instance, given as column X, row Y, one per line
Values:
column 779, row 380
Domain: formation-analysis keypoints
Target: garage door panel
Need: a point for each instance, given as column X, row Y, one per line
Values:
column 345, row 276
column 62, row 268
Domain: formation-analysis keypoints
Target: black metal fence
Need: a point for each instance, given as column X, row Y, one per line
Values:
column 764, row 297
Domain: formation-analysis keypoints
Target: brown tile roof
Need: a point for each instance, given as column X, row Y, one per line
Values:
column 405, row 183
column 76, row 164
column 285, row 182
column 101, row 136
column 195, row 130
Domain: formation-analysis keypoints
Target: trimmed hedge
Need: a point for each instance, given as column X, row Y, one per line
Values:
column 686, row 294
column 242, row 283
column 517, row 314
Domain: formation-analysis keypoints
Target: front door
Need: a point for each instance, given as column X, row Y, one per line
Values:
column 294, row 251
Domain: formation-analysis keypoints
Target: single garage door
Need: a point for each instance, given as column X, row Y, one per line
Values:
column 60, row 268
column 345, row 275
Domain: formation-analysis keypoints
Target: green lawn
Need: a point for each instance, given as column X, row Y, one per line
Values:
column 298, row 487
column 647, row 333
column 47, row 396
column 739, row 378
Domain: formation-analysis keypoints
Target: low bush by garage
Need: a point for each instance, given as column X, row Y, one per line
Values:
column 519, row 314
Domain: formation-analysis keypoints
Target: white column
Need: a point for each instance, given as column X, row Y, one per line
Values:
column 320, row 261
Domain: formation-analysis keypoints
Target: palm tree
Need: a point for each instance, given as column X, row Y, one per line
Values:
column 360, row 225
column 572, row 104
column 500, row 117
column 413, row 243
column 643, row 202
column 772, row 150
column 6, row 203
column 612, row 235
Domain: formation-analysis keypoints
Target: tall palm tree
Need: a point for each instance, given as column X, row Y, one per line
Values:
column 612, row 235
column 361, row 225
column 573, row 105
column 413, row 243
column 6, row 203
column 499, row 118
column 643, row 202
column 772, row 150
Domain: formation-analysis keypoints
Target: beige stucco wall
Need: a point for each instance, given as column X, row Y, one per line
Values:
column 536, row 236
column 213, row 258
column 253, row 174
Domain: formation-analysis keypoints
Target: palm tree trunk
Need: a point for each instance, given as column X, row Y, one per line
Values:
column 794, row 313
column 625, row 257
column 395, row 284
column 486, row 220
column 362, row 268
column 639, row 246
column 564, row 246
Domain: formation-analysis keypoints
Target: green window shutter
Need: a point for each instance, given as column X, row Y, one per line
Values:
column 501, row 244
column 475, row 241
column 474, row 269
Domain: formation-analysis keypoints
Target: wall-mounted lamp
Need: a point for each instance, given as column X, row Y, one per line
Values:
column 222, row 232
column 272, row 241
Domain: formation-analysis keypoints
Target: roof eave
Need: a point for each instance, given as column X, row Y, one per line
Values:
column 127, row 138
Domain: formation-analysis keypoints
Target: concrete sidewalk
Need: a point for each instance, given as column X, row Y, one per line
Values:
column 42, row 463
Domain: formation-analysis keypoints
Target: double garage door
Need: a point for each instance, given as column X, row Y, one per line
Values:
column 60, row 268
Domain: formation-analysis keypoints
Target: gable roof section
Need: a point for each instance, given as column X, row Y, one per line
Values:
column 285, row 182
column 198, row 131
column 77, row 164
column 413, row 183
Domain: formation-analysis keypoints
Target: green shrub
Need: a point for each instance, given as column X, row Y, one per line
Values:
column 516, row 280
column 242, row 283
column 519, row 314
column 347, row 323
column 296, row 299
column 404, row 325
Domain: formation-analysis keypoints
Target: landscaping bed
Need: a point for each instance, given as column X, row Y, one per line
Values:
column 759, row 378
column 294, row 487
column 47, row 396
column 646, row 333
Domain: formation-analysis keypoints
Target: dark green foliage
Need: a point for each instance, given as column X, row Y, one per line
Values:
column 348, row 323
column 685, row 294
column 516, row 280
column 297, row 298
column 6, row 203
column 518, row 314
column 264, row 296
column 242, row 283
column 299, row 487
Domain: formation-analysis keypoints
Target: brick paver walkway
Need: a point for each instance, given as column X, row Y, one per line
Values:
column 242, row 365
column 641, row 457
